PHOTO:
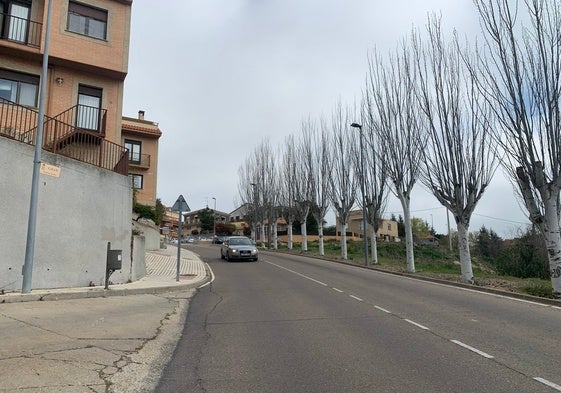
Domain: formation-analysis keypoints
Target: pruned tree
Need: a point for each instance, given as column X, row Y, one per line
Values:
column 460, row 157
column 303, row 190
column 343, row 182
column 248, row 193
column 287, row 185
column 392, row 105
column 267, row 186
column 521, row 79
column 321, row 179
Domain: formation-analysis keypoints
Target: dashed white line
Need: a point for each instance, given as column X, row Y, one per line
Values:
column 382, row 309
column 477, row 351
column 338, row 290
column 299, row 274
column 356, row 298
column 416, row 324
column 548, row 383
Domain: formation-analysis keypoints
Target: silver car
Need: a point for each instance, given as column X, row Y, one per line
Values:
column 238, row 248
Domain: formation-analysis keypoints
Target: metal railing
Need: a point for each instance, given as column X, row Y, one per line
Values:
column 88, row 118
column 21, row 30
column 139, row 160
column 20, row 123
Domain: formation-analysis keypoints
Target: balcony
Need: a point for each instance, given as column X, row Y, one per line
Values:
column 20, row 30
column 86, row 118
column 20, row 123
column 141, row 161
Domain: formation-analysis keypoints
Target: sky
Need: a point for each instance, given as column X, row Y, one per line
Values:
column 220, row 76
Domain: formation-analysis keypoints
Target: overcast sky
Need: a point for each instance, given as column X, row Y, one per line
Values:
column 219, row 76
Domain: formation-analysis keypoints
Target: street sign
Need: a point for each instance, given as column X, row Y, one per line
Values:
column 180, row 205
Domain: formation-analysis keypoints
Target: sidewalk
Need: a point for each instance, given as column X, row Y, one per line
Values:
column 96, row 340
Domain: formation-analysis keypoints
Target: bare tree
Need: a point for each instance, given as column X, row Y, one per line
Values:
column 375, row 175
column 391, row 103
column 288, row 176
column 460, row 158
column 247, row 190
column 303, row 194
column 522, row 81
column 267, row 186
column 321, row 179
column 342, row 180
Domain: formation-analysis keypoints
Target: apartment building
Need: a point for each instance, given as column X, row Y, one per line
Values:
column 141, row 137
column 88, row 62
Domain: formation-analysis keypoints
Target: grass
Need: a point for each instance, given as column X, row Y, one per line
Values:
column 430, row 260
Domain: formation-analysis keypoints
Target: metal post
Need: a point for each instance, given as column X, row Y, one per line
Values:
column 178, row 246
column 363, row 187
column 27, row 270
column 214, row 219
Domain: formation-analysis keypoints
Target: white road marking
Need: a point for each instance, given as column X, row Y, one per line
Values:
column 557, row 307
column 416, row 324
column 338, row 290
column 357, row 298
column 550, row 384
column 211, row 279
column 382, row 309
column 477, row 351
column 299, row 274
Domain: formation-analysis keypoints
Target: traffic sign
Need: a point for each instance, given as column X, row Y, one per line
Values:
column 180, row 205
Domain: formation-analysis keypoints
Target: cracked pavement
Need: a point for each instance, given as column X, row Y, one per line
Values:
column 114, row 344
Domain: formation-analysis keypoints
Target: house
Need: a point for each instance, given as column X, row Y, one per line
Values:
column 85, row 204
column 192, row 223
column 387, row 229
column 141, row 137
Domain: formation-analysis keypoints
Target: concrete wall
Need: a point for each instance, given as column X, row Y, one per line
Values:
column 151, row 233
column 138, row 266
column 78, row 214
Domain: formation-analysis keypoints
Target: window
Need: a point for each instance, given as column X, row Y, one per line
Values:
column 89, row 105
column 86, row 20
column 136, row 181
column 16, row 23
column 19, row 88
column 134, row 150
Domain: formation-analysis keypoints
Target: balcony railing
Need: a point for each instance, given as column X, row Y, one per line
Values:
column 139, row 160
column 20, row 123
column 87, row 118
column 20, row 30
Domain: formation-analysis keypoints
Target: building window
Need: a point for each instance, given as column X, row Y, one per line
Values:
column 89, row 105
column 136, row 181
column 134, row 150
column 19, row 88
column 15, row 19
column 86, row 20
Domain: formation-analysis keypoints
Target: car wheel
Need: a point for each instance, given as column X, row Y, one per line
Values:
column 227, row 257
column 256, row 259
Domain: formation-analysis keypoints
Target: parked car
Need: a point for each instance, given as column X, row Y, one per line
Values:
column 240, row 248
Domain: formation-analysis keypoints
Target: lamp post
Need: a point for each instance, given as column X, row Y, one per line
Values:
column 362, row 187
column 214, row 219
column 254, row 211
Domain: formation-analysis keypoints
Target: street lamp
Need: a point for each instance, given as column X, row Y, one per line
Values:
column 363, row 187
column 214, row 219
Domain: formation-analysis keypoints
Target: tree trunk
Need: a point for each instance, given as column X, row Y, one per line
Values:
column 275, row 236
column 344, row 254
column 304, row 237
column 320, row 233
column 465, row 257
column 289, row 228
column 263, row 236
column 373, row 245
column 408, row 234
column 551, row 232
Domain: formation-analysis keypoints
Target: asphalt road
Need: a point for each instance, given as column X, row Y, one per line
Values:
column 294, row 324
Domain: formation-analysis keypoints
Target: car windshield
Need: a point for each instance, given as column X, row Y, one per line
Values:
column 240, row 241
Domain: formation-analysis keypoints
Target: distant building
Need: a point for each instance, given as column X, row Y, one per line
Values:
column 387, row 229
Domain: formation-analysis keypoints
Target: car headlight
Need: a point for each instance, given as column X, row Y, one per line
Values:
column 254, row 251
column 234, row 250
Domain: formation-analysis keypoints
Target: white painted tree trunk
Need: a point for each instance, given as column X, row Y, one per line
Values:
column 344, row 254
column 304, row 237
column 290, row 241
column 465, row 255
column 408, row 234
column 552, row 235
column 275, row 236
column 321, row 246
column 373, row 245
column 263, row 236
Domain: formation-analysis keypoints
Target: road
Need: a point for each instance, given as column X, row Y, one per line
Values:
column 294, row 324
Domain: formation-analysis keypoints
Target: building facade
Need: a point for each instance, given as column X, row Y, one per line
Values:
column 141, row 137
column 88, row 62
column 387, row 229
